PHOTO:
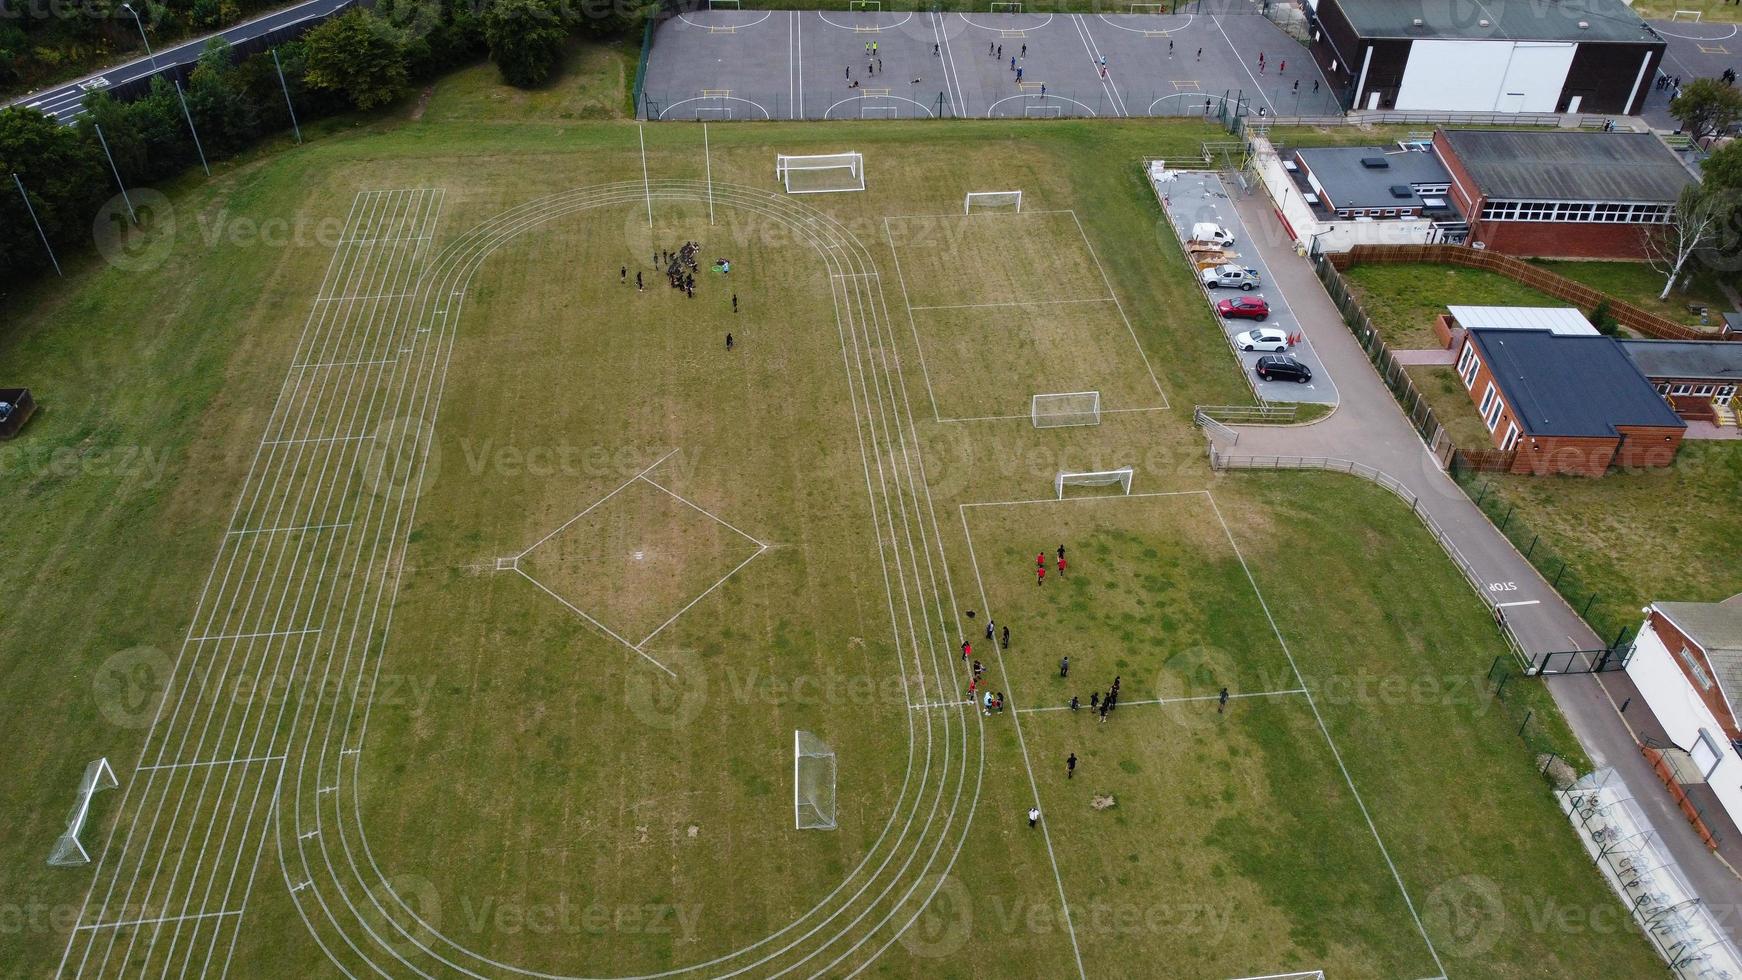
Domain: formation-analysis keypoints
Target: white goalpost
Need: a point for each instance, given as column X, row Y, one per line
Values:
column 68, row 851
column 1092, row 478
column 1146, row 8
column 1006, row 6
column 813, row 782
column 725, row 4
column 1065, row 408
column 1685, row 15
column 992, row 200
column 821, row 173
column 873, row 5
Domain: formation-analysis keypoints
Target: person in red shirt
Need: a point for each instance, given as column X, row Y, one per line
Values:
column 1061, row 566
column 1040, row 575
column 1040, row 560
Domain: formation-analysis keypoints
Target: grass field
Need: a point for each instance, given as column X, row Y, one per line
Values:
column 1638, row 283
column 1450, row 400
column 1403, row 299
column 524, row 582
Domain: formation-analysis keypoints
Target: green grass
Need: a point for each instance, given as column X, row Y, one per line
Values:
column 1445, row 393
column 1639, row 284
column 1402, row 300
column 1710, row 10
column 1686, row 510
column 524, row 773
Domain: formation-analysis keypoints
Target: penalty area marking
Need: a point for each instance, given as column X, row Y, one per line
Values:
column 991, row 110
column 1151, row 31
column 715, row 98
column 1008, row 31
column 860, row 99
column 823, row 16
column 726, row 28
column 1690, row 37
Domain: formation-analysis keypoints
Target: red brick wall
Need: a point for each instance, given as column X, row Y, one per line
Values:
column 1676, row 642
column 1483, row 378
column 1561, row 240
column 1565, row 455
column 1647, row 446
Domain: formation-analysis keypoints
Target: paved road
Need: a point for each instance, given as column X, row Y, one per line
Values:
column 1196, row 196
column 66, row 102
column 1369, row 428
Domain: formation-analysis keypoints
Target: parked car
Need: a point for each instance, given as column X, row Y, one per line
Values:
column 1230, row 277
column 1281, row 367
column 1209, row 231
column 1249, row 308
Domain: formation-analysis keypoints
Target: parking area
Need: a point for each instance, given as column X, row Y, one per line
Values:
column 725, row 64
column 1192, row 197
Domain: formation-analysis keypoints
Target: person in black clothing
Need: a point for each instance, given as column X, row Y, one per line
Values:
column 1074, row 703
column 1222, row 701
column 638, row 282
column 1094, row 700
column 1006, row 637
column 1065, row 667
column 734, row 302
column 728, row 341
column 623, row 274
column 1071, row 766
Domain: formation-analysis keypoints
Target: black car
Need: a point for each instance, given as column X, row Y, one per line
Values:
column 1281, row 367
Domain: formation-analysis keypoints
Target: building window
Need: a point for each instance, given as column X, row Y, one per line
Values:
column 1511, row 436
column 1681, row 389
column 1703, row 390
column 1725, row 393
column 1696, row 669
column 1488, row 400
column 1494, row 414
column 1607, row 212
column 1467, row 365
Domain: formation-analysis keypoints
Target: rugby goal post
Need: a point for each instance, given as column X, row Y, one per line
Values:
column 813, row 782
column 1065, row 408
column 992, row 200
column 1092, row 478
column 68, row 851
column 820, row 173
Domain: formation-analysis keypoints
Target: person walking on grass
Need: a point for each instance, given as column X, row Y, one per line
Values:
column 1040, row 575
column 1222, row 701
column 1061, row 567
column 1075, row 704
column 1006, row 637
column 638, row 287
column 734, row 302
column 1033, row 815
column 1065, row 666
column 967, row 648
column 728, row 343
column 1104, row 707
column 623, row 274
column 1061, row 551
column 989, row 625
column 1094, row 700
column 1071, row 766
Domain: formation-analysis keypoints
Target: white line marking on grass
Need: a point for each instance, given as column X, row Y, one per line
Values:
column 1016, row 302
column 608, row 631
column 798, row 73
column 1016, row 722
column 1108, row 282
column 243, row 760
column 250, row 636
column 1085, row 500
column 976, row 215
column 680, row 498
column 591, row 507
column 1326, row 731
column 646, row 187
column 162, row 918
column 686, row 608
column 289, row 528
column 316, row 439
column 895, row 256
column 1204, row 697
column 1260, row 90
column 1025, row 418
column 708, row 162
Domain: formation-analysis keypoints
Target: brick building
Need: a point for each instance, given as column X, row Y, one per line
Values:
column 1558, row 194
column 1698, row 377
column 1566, row 403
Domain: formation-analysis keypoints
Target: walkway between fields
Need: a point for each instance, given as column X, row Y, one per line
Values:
column 1369, row 428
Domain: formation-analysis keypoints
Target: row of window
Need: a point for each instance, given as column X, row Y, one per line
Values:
column 1718, row 393
column 1633, row 214
column 1492, row 406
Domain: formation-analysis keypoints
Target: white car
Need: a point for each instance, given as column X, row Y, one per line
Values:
column 1262, row 338
column 1230, row 277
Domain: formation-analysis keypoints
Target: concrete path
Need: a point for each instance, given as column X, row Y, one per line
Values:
column 1425, row 357
column 1369, row 428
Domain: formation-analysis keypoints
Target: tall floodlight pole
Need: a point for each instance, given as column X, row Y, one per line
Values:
column 286, row 86
column 190, row 118
column 141, row 25
column 43, row 234
column 117, row 172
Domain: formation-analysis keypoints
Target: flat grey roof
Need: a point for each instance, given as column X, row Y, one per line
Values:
column 1516, row 20
column 1560, row 385
column 1720, row 360
column 1350, row 184
column 1546, row 165
column 1554, row 319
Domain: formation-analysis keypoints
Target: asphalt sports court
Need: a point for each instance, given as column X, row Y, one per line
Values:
column 727, row 64
column 1006, row 305
column 1213, row 807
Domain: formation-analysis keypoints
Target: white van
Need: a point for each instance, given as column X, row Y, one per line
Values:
column 1209, row 231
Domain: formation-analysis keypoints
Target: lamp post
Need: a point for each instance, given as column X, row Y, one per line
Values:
column 141, row 25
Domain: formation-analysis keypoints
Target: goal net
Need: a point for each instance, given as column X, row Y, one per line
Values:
column 1006, row 7
column 724, row 4
column 1065, row 408
column 822, row 173
column 813, row 782
column 1093, row 478
column 992, row 201
column 68, row 852
column 1147, row 8
column 864, row 4
column 1685, row 15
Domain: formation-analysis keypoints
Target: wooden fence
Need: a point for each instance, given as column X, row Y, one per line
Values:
column 1536, row 277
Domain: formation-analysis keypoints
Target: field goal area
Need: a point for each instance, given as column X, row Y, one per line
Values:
column 1006, row 304
column 1066, row 408
column 1686, row 16
column 1146, row 8
column 68, row 851
column 1045, row 110
column 813, row 782
column 992, row 201
column 1120, row 478
column 824, row 173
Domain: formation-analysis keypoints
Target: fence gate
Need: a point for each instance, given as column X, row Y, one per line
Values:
column 1582, row 661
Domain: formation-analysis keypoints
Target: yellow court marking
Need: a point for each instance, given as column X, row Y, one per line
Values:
column 716, row 93
column 1186, row 86
column 1713, row 49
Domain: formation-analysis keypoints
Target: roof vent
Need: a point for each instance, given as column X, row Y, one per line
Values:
column 1416, row 22
column 1401, row 191
column 1584, row 25
column 1375, row 163
column 1483, row 22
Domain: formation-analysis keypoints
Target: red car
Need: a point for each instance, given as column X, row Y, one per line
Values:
column 1244, row 307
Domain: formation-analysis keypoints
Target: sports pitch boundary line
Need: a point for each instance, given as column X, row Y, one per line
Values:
column 913, row 325
column 1085, row 500
column 1121, row 307
column 1325, row 729
column 1031, row 302
column 1104, row 411
column 1165, row 701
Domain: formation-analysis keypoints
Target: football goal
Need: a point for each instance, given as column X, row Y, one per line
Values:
column 1065, row 408
column 1685, row 15
column 992, row 201
column 1093, row 478
column 1043, row 111
column 1146, row 8
column 821, row 173
column 873, row 5
column 725, row 4
column 68, row 851
column 1006, row 6
column 813, row 782
column 879, row 112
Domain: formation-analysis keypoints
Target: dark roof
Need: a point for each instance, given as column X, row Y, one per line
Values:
column 1516, row 20
column 1720, row 360
column 1546, row 165
column 1561, row 385
column 1350, row 183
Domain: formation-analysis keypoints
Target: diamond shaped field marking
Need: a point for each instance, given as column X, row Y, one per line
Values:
column 637, row 560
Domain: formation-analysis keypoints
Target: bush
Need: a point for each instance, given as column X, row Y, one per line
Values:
column 526, row 39
column 358, row 56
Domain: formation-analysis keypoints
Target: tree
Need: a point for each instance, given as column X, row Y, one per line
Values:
column 1699, row 216
column 1724, row 167
column 1706, row 107
column 526, row 39
column 65, row 176
column 358, row 56
column 226, row 115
